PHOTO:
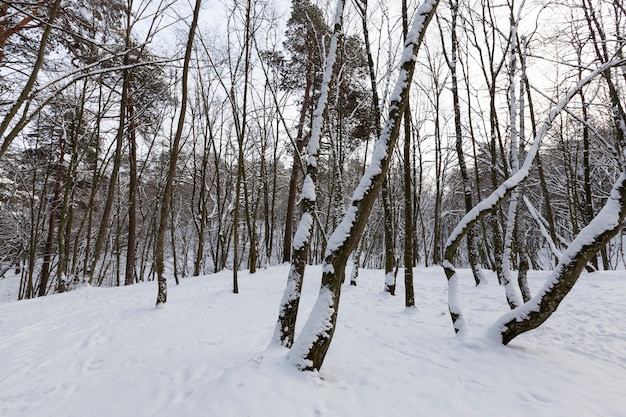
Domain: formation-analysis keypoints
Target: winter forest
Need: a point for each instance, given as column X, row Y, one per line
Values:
column 471, row 143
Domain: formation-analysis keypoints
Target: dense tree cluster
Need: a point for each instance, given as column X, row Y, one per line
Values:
column 124, row 160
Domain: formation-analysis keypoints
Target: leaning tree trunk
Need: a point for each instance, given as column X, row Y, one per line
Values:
column 491, row 202
column 589, row 241
column 284, row 332
column 310, row 348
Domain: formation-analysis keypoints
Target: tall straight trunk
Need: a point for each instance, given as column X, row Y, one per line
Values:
column 522, row 275
column 388, row 232
column 129, row 273
column 240, row 125
column 159, row 244
column 513, row 297
column 409, row 297
column 599, row 42
column 66, row 209
column 472, row 249
column 542, row 178
column 202, row 212
column 437, row 256
column 389, row 239
column 487, row 205
column 129, row 277
column 103, row 230
column 253, row 254
column 52, row 221
column 284, row 332
column 309, row 351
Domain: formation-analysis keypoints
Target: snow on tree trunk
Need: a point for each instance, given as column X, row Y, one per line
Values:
column 589, row 241
column 472, row 248
column 159, row 264
column 513, row 297
column 488, row 204
column 309, row 350
column 284, row 331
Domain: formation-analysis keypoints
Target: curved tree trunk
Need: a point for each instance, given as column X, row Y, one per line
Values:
column 587, row 244
column 491, row 202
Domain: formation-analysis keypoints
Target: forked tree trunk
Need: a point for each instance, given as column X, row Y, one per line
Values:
column 284, row 332
column 309, row 350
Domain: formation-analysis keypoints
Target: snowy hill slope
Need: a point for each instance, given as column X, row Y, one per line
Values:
column 109, row 352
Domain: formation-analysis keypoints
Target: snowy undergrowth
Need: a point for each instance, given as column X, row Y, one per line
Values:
column 109, row 352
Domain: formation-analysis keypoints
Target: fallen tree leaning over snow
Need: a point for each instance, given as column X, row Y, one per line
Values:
column 310, row 348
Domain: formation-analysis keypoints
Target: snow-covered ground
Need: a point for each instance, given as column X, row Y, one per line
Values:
column 109, row 352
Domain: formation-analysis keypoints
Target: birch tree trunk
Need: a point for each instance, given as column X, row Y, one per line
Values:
column 309, row 350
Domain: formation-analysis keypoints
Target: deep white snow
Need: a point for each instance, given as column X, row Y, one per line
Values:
column 108, row 352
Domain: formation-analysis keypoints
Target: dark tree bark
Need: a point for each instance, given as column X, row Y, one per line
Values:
column 159, row 249
column 55, row 202
column 309, row 351
column 409, row 295
column 452, row 60
column 129, row 273
column 284, row 332
column 491, row 202
column 388, row 232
